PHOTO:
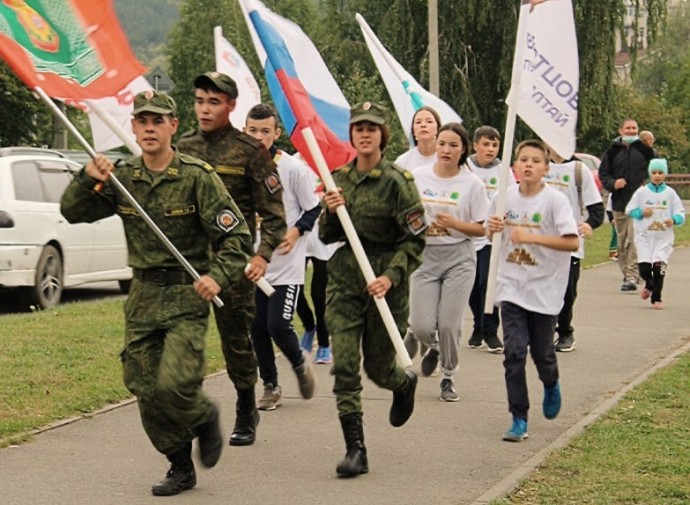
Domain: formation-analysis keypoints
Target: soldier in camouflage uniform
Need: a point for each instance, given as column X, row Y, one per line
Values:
column 385, row 208
column 167, row 311
column 250, row 176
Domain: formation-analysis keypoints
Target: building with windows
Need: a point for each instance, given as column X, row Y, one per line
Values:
column 634, row 30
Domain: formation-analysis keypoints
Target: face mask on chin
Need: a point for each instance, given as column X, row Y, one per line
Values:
column 629, row 139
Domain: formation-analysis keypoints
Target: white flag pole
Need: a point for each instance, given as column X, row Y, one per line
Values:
column 386, row 55
column 501, row 201
column 217, row 35
column 502, row 189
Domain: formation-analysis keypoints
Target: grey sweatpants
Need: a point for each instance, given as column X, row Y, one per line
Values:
column 439, row 293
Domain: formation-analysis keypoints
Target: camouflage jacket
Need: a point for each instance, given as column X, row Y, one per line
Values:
column 250, row 176
column 187, row 202
column 387, row 214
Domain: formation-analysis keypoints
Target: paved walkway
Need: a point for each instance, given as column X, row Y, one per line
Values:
column 447, row 454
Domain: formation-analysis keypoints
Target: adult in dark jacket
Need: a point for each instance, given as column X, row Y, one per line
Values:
column 624, row 169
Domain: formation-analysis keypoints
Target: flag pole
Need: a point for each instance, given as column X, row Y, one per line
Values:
column 118, row 185
column 416, row 102
column 500, row 209
column 402, row 356
column 217, row 35
column 501, row 202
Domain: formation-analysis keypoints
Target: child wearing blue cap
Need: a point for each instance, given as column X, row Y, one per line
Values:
column 655, row 208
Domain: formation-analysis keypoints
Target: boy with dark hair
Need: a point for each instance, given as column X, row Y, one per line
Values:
column 539, row 233
column 273, row 321
column 487, row 166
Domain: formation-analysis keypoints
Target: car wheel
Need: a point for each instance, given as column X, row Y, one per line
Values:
column 125, row 285
column 47, row 289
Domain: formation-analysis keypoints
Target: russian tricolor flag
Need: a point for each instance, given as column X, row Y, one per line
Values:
column 303, row 89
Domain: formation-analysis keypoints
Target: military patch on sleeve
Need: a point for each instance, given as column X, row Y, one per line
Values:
column 415, row 221
column 226, row 220
column 408, row 175
column 273, row 183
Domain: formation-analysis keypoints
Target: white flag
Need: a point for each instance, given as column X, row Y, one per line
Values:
column 119, row 108
column 546, row 68
column 406, row 93
column 229, row 62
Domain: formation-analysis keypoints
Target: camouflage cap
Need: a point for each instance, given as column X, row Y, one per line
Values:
column 368, row 111
column 223, row 82
column 156, row 102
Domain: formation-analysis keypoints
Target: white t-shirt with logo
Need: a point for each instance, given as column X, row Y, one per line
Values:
column 298, row 197
column 316, row 248
column 489, row 177
column 414, row 159
column 531, row 276
column 561, row 176
column 461, row 196
column 653, row 239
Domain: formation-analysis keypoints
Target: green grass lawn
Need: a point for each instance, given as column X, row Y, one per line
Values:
column 64, row 362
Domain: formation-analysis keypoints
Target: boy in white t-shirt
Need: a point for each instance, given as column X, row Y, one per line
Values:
column 487, row 166
column 588, row 211
column 533, row 267
column 273, row 318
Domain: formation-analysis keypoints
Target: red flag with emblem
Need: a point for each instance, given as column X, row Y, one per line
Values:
column 69, row 48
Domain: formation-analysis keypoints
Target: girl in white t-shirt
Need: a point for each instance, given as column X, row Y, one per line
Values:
column 455, row 206
column 425, row 125
column 656, row 209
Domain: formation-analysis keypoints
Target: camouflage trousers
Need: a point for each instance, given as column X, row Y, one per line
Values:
column 354, row 322
column 234, row 322
column 163, row 361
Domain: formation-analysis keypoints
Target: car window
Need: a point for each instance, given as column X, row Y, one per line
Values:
column 27, row 182
column 55, row 178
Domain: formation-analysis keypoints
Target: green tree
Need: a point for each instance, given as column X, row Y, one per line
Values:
column 20, row 111
column 663, row 79
column 476, row 44
column 190, row 47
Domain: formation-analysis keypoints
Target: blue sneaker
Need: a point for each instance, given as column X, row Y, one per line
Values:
column 307, row 341
column 552, row 401
column 518, row 431
column 323, row 356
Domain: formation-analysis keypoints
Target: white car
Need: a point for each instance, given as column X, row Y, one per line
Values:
column 40, row 252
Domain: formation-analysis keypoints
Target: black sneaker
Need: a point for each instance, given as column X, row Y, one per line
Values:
column 476, row 341
column 494, row 344
column 429, row 362
column 628, row 286
column 565, row 343
column 448, row 392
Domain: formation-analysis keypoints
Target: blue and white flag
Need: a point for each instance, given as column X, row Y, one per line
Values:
column 406, row 93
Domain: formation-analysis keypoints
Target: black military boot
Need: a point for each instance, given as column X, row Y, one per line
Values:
column 247, row 418
column 181, row 475
column 210, row 439
column 403, row 401
column 355, row 461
